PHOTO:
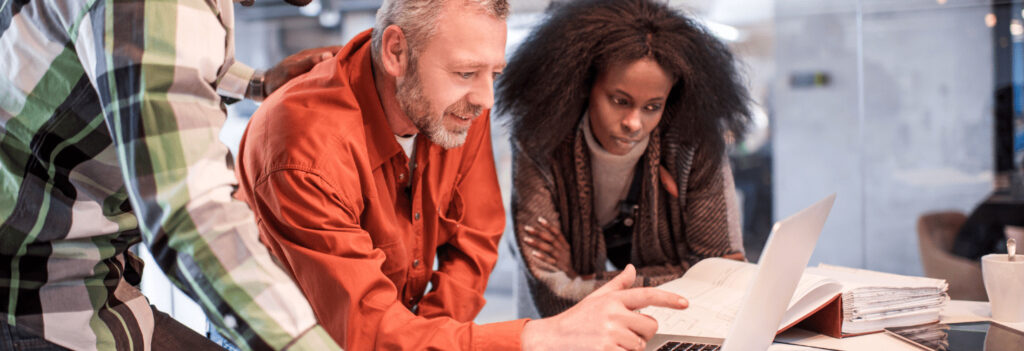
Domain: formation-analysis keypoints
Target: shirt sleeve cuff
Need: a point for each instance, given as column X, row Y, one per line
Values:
column 234, row 83
column 314, row 339
column 499, row 336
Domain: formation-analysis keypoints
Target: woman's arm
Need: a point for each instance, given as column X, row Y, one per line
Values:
column 553, row 286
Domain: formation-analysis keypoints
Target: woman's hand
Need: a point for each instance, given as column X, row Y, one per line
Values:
column 548, row 245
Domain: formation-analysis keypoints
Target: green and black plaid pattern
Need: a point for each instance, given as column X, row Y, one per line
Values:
column 109, row 120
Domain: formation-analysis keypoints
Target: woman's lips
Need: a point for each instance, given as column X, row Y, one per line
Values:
column 629, row 143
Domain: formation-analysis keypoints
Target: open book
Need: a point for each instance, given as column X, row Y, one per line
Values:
column 715, row 288
column 834, row 301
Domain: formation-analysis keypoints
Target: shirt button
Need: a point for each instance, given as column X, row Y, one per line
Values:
column 416, row 216
column 415, row 263
column 401, row 176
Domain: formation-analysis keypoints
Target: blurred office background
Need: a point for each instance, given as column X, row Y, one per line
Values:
column 892, row 104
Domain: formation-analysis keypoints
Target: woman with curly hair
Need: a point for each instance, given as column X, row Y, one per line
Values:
column 619, row 111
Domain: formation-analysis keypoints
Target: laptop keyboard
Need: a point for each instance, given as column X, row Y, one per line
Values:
column 685, row 346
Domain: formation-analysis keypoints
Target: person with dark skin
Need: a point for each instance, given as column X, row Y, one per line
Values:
column 619, row 111
column 110, row 113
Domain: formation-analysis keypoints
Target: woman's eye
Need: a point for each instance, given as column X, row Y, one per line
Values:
column 652, row 108
column 619, row 101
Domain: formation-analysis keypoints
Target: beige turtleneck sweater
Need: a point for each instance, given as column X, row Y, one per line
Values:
column 612, row 173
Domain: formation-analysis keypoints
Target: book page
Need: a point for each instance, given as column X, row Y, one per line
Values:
column 715, row 288
column 812, row 293
column 854, row 278
column 872, row 325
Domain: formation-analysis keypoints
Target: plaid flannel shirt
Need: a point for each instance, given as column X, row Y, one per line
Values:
column 109, row 120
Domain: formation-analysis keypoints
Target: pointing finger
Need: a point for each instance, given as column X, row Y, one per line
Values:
column 642, row 297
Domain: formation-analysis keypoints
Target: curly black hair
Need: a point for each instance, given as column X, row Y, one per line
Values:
column 546, row 86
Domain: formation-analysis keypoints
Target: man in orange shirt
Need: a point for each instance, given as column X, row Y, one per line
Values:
column 357, row 209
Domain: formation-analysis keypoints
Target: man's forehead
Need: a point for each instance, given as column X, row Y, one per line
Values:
column 470, row 38
column 478, row 64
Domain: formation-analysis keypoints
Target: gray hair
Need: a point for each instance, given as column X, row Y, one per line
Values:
column 418, row 20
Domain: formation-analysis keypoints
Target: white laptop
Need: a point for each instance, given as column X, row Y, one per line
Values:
column 782, row 263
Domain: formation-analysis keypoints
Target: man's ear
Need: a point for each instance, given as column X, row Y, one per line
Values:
column 394, row 51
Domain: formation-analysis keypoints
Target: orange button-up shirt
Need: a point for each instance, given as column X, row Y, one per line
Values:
column 337, row 204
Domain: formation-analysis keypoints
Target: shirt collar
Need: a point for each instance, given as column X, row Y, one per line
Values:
column 381, row 143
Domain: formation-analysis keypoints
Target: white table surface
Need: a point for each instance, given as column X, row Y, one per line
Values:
column 956, row 311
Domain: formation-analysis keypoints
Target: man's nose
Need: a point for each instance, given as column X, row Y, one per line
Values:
column 482, row 94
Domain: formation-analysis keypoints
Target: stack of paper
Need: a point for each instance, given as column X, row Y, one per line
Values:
column 875, row 300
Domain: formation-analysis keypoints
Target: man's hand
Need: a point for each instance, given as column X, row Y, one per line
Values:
column 604, row 320
column 549, row 246
column 295, row 65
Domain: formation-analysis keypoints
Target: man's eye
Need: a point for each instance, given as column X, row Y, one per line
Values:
column 466, row 75
column 496, row 75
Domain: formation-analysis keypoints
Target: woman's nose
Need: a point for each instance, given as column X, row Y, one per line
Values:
column 632, row 124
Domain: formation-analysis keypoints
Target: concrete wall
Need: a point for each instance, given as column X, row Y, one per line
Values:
column 903, row 127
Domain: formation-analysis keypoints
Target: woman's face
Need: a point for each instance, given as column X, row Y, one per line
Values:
column 626, row 103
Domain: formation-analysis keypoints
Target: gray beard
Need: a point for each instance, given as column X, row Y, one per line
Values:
column 415, row 105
